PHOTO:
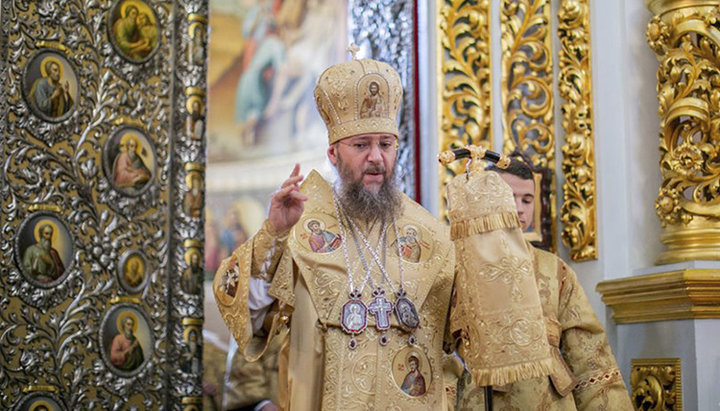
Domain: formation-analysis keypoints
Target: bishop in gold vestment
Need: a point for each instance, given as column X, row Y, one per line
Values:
column 299, row 271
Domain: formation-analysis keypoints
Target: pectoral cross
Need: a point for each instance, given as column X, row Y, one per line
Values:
column 381, row 308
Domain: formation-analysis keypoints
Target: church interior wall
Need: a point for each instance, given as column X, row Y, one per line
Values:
column 661, row 339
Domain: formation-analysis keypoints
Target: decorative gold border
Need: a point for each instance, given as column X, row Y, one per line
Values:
column 31, row 388
column 194, row 167
column 659, row 378
column 675, row 295
column 125, row 299
column 194, row 91
column 44, row 207
column 577, row 212
column 191, row 400
column 191, row 242
column 191, row 321
column 527, row 86
column 464, row 81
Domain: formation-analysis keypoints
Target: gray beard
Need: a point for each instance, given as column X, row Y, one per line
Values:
column 362, row 204
column 45, row 244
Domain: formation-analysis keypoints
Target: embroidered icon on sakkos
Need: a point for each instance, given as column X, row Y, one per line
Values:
column 411, row 371
column 319, row 234
column 415, row 242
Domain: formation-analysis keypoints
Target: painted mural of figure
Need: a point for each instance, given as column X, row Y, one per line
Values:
column 126, row 354
column 50, row 94
column 233, row 234
column 41, row 261
column 322, row 241
column 191, row 279
column 414, row 382
column 129, row 169
column 373, row 104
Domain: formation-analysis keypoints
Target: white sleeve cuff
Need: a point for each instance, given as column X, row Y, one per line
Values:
column 259, row 302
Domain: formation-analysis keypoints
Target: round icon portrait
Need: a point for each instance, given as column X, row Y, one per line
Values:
column 132, row 271
column 129, row 160
column 39, row 401
column 44, row 249
column 414, row 245
column 50, row 85
column 319, row 234
column 133, row 30
column 411, row 371
column 126, row 340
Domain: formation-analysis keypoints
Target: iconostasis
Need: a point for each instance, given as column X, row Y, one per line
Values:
column 102, row 196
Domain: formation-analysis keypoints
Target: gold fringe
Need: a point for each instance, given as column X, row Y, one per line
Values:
column 482, row 224
column 512, row 373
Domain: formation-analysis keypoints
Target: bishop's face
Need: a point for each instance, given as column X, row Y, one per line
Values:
column 365, row 158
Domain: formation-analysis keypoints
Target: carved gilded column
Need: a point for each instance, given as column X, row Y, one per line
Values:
column 577, row 213
column 685, row 35
column 463, row 79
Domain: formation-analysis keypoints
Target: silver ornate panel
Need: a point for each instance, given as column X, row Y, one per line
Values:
column 385, row 30
column 99, row 150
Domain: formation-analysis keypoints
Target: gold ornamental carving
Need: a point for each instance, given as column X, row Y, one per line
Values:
column 675, row 295
column 685, row 36
column 527, row 86
column 578, row 165
column 527, row 95
column 656, row 384
column 464, row 79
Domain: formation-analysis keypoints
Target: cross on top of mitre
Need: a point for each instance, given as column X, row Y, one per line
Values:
column 353, row 49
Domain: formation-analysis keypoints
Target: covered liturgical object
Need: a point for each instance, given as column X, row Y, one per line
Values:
column 497, row 313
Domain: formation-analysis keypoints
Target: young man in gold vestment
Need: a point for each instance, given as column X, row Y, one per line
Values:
column 585, row 375
column 366, row 321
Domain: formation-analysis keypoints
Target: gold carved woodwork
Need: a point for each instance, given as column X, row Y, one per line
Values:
column 578, row 165
column 675, row 295
column 527, row 79
column 464, row 80
column 527, row 84
column 656, row 384
column 685, row 36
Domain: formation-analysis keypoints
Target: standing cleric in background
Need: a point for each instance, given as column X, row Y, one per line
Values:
column 585, row 375
column 348, row 347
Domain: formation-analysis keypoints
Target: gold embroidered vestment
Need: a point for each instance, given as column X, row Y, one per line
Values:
column 310, row 282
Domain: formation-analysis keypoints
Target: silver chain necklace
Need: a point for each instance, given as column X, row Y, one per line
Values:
column 353, row 317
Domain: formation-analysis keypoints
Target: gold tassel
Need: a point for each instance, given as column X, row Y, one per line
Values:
column 482, row 224
column 512, row 373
